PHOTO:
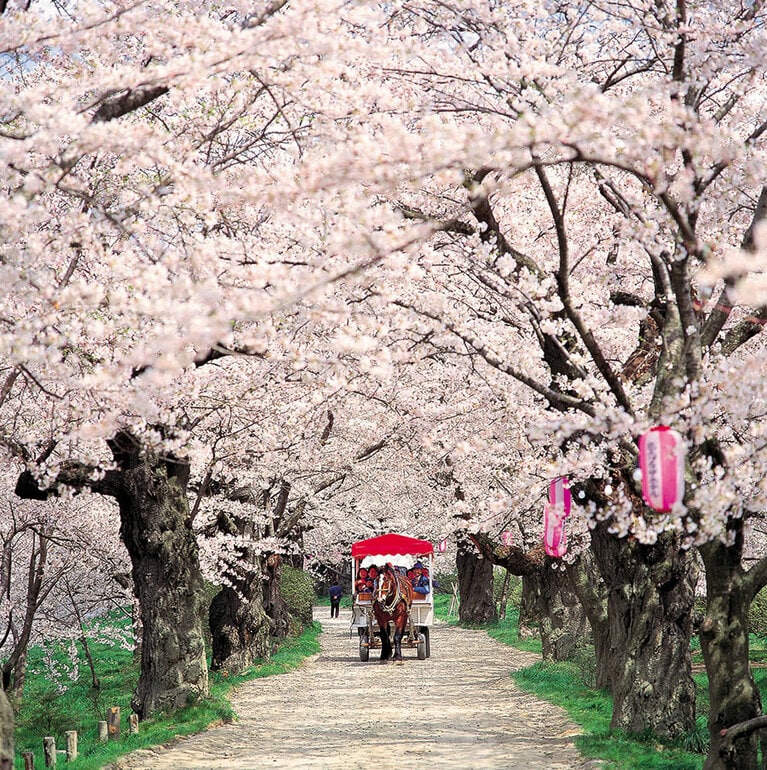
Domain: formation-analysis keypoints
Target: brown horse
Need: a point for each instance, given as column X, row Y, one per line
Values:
column 392, row 602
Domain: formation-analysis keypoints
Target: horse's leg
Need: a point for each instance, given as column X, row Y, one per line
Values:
column 397, row 644
column 385, row 643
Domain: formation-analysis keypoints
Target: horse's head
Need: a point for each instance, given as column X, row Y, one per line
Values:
column 387, row 584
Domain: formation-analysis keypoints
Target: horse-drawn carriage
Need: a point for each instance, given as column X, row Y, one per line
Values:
column 406, row 613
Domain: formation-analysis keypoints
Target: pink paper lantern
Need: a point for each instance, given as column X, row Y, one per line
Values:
column 554, row 531
column 661, row 461
column 442, row 547
column 559, row 493
column 507, row 538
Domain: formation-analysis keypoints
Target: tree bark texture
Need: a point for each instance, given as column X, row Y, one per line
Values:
column 157, row 531
column 733, row 694
column 590, row 589
column 274, row 604
column 649, row 615
column 6, row 733
column 561, row 618
column 475, row 585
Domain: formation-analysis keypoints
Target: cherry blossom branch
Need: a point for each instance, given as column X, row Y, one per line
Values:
column 552, row 396
column 483, row 211
column 563, row 281
column 130, row 100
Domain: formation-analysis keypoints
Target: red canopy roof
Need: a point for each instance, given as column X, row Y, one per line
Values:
column 391, row 544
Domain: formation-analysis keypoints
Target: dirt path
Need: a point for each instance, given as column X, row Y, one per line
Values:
column 458, row 710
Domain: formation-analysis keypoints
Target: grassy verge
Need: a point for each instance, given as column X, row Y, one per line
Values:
column 566, row 685
column 51, row 710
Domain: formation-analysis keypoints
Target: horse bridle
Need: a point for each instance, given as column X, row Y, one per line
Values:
column 382, row 597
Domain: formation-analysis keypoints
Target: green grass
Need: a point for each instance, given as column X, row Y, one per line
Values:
column 46, row 711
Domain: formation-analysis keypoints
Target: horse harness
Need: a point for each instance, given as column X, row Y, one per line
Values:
column 388, row 607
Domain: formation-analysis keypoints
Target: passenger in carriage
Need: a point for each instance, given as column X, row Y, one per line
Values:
column 361, row 585
column 419, row 578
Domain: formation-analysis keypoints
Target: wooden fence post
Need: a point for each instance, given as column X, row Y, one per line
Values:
column 103, row 732
column 71, row 745
column 29, row 760
column 133, row 723
column 113, row 720
column 49, row 750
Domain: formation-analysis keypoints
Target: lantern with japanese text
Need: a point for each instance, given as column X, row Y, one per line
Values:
column 554, row 514
column 661, row 461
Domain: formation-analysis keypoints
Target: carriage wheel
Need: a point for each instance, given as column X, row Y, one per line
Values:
column 364, row 649
column 421, row 647
column 425, row 632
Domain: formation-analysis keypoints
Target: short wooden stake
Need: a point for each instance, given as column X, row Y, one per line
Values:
column 133, row 723
column 103, row 732
column 71, row 745
column 113, row 720
column 49, row 750
column 29, row 760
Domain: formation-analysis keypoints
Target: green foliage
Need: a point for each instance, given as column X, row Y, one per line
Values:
column 47, row 710
column 447, row 582
column 757, row 614
column 513, row 591
column 298, row 591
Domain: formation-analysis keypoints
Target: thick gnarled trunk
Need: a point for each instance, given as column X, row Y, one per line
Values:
column 156, row 527
column 649, row 616
column 733, row 694
column 239, row 629
column 561, row 619
column 157, row 531
column 475, row 585
column 274, row 603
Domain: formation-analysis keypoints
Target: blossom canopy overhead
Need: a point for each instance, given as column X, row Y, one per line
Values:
column 391, row 543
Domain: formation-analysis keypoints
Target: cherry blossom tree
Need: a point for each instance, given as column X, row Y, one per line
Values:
column 563, row 198
column 614, row 185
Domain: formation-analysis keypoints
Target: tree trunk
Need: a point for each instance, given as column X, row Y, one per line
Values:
column 239, row 625
column 649, row 613
column 590, row 589
column 156, row 527
column 504, row 596
column 274, row 605
column 239, row 628
column 527, row 626
column 561, row 618
column 733, row 694
column 6, row 733
column 157, row 531
column 475, row 584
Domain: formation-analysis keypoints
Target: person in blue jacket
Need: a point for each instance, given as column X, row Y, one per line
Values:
column 420, row 579
column 335, row 598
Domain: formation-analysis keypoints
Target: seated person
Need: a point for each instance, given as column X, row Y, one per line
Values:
column 420, row 579
column 361, row 585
